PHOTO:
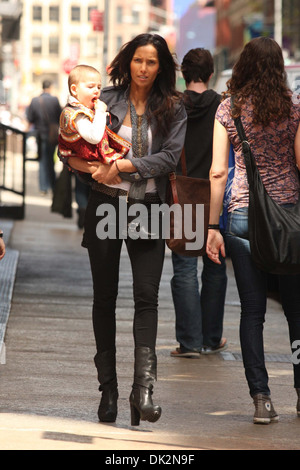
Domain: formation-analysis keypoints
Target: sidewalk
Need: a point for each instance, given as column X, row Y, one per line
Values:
column 48, row 385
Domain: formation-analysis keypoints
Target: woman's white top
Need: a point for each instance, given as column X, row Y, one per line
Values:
column 126, row 133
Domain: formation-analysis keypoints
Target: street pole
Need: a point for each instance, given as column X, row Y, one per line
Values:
column 278, row 21
column 105, row 42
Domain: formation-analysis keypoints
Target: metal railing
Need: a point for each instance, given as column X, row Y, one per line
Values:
column 12, row 172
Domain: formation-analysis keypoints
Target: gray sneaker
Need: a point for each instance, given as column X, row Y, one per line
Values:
column 264, row 410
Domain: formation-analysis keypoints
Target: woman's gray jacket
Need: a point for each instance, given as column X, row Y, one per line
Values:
column 165, row 150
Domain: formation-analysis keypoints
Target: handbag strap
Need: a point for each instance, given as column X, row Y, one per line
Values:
column 183, row 162
column 172, row 177
column 248, row 157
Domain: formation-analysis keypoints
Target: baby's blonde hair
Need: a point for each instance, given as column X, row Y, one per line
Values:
column 77, row 74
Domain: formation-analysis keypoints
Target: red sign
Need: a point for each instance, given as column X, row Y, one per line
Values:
column 97, row 20
column 68, row 65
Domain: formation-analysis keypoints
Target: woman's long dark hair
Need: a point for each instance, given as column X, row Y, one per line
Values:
column 163, row 95
column 259, row 73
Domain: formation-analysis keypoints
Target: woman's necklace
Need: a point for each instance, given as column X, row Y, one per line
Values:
column 139, row 124
column 139, row 140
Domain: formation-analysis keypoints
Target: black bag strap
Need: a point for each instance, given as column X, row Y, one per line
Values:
column 250, row 163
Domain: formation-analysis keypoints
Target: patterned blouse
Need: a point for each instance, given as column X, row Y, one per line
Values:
column 273, row 149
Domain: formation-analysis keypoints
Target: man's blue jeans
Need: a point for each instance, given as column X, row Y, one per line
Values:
column 46, row 167
column 199, row 317
column 252, row 288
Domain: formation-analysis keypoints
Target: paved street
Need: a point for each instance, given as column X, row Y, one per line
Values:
column 48, row 385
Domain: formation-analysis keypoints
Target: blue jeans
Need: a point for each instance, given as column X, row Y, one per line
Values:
column 46, row 167
column 199, row 317
column 252, row 288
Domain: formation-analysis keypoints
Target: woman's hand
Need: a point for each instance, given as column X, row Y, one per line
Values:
column 82, row 165
column 215, row 244
column 106, row 174
column 100, row 172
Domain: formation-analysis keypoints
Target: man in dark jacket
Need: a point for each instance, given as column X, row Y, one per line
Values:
column 199, row 317
column 44, row 113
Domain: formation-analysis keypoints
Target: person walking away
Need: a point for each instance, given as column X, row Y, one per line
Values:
column 199, row 316
column 146, row 110
column 270, row 118
column 44, row 113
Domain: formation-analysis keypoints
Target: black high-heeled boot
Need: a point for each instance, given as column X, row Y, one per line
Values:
column 141, row 405
column 106, row 366
column 108, row 408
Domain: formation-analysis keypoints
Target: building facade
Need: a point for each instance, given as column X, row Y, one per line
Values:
column 56, row 35
column 238, row 21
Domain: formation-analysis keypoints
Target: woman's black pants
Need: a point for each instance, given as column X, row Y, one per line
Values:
column 146, row 259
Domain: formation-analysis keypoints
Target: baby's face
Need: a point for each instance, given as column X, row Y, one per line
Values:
column 87, row 91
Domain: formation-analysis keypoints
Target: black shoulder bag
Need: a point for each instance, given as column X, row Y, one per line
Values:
column 274, row 231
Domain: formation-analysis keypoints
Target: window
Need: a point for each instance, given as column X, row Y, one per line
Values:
column 75, row 13
column 92, row 47
column 53, row 45
column 119, row 15
column 54, row 13
column 89, row 11
column 74, row 47
column 135, row 17
column 119, row 42
column 36, row 13
column 37, row 78
column 36, row 45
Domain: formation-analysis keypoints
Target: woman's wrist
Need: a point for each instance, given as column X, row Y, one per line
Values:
column 213, row 226
column 117, row 167
column 125, row 166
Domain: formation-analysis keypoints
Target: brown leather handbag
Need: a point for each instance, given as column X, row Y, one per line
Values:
column 190, row 199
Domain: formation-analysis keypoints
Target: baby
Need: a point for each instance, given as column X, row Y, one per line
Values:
column 83, row 131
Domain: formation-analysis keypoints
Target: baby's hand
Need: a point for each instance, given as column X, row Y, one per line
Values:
column 100, row 105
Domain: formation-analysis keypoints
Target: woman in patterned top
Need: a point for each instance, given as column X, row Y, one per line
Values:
column 270, row 118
